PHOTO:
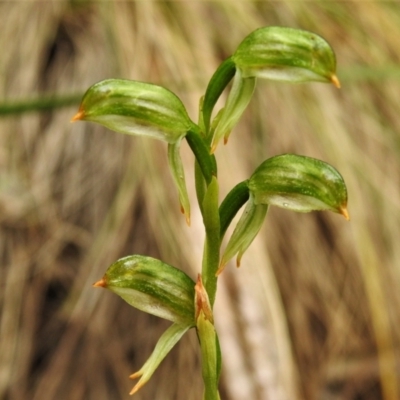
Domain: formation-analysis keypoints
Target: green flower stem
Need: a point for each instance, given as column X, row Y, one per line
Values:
column 206, row 161
column 209, row 343
column 219, row 81
column 41, row 104
column 212, row 242
column 211, row 357
column 200, row 184
column 232, row 203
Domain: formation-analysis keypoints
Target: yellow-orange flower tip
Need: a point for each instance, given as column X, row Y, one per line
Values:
column 344, row 212
column 220, row 269
column 202, row 302
column 100, row 283
column 136, row 375
column 213, row 148
column 238, row 259
column 335, row 81
column 187, row 216
column 135, row 388
column 226, row 139
column 78, row 116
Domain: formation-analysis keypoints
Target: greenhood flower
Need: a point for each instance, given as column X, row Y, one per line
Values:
column 159, row 289
column 296, row 183
column 286, row 54
column 152, row 286
column 300, row 184
column 135, row 108
column 274, row 53
column 144, row 109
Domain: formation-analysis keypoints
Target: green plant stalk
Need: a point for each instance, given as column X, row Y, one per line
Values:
column 210, row 354
column 207, row 190
column 205, row 160
column 219, row 81
column 212, row 241
column 207, row 196
column 200, row 185
column 232, row 203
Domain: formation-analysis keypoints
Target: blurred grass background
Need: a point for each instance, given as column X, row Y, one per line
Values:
column 314, row 311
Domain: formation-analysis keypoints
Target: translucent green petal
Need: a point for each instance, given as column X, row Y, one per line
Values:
column 245, row 232
column 175, row 163
column 164, row 345
column 238, row 99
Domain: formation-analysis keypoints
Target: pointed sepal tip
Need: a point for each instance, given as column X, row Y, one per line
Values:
column 136, row 388
column 202, row 302
column 343, row 211
column 220, row 269
column 100, row 283
column 335, row 81
column 78, row 116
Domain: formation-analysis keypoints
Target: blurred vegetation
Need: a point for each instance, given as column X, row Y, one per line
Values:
column 313, row 311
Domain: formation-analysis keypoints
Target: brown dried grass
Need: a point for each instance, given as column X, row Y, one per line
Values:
column 312, row 313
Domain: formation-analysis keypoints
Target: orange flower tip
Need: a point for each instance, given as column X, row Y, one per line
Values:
column 202, row 302
column 226, row 139
column 100, row 283
column 135, row 389
column 238, row 261
column 135, row 375
column 220, row 269
column 187, row 215
column 335, row 81
column 344, row 212
column 78, row 116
